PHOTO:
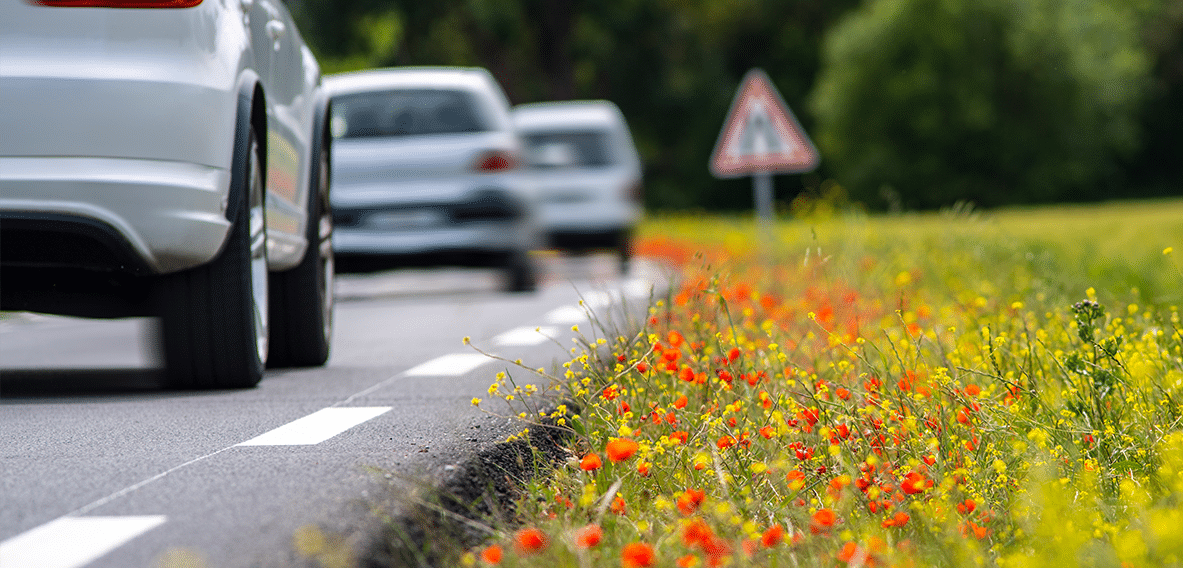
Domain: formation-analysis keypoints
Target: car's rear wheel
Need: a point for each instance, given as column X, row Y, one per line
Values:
column 624, row 250
column 521, row 272
column 214, row 317
column 302, row 298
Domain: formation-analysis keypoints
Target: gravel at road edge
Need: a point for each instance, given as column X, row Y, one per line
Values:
column 438, row 522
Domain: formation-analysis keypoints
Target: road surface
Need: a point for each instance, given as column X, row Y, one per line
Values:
column 101, row 468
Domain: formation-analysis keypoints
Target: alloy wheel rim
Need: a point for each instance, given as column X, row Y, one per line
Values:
column 325, row 233
column 258, row 240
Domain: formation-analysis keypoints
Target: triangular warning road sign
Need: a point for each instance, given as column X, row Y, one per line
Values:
column 761, row 134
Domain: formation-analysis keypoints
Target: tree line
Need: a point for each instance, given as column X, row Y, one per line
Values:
column 914, row 104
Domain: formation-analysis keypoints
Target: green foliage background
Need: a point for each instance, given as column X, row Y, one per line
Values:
column 913, row 103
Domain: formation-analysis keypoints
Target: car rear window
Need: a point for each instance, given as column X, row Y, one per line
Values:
column 568, row 149
column 404, row 113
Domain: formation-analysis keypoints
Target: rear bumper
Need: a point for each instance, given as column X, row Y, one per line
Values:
column 486, row 221
column 153, row 216
column 483, row 237
column 593, row 216
column 589, row 239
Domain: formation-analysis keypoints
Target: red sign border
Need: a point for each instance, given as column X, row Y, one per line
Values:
column 757, row 85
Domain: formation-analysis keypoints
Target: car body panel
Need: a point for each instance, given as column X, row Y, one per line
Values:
column 585, row 166
column 402, row 193
column 128, row 116
column 169, row 212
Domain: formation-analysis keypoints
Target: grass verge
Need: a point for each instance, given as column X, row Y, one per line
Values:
column 961, row 389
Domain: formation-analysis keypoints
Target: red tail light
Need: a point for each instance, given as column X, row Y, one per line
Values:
column 496, row 161
column 118, row 3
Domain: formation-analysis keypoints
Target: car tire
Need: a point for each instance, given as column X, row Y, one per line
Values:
column 521, row 273
column 624, row 251
column 213, row 318
column 302, row 297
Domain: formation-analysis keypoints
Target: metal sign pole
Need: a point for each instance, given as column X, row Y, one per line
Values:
column 762, row 194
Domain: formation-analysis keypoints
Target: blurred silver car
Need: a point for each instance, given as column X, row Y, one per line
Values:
column 588, row 174
column 426, row 171
column 170, row 158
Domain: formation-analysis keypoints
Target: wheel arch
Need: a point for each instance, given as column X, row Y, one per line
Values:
column 251, row 113
column 322, row 141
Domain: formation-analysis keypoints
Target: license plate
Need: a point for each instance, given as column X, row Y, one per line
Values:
column 416, row 219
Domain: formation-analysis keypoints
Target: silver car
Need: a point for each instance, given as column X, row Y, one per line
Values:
column 588, row 174
column 169, row 158
column 426, row 170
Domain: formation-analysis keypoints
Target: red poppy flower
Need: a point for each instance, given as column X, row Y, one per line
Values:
column 588, row 536
column 733, row 354
column 898, row 520
column 773, row 536
column 617, row 505
column 529, row 541
column 717, row 551
column 966, row 507
column 590, row 462
column 637, row 555
column 620, row 449
column 491, row 555
column 823, row 519
column 915, row 483
column 851, row 552
column 690, row 500
column 644, row 467
column 696, row 532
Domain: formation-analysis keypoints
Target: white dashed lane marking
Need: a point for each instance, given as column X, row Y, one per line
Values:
column 525, row 336
column 599, row 299
column 638, row 288
column 566, row 315
column 70, row 542
column 451, row 365
column 316, row 427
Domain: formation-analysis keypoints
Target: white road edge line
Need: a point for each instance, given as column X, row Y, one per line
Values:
column 450, row 365
column 70, row 542
column 317, row 427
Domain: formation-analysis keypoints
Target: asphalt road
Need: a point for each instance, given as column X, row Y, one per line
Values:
column 99, row 467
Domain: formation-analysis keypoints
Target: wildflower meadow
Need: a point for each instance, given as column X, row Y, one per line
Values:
column 946, row 389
